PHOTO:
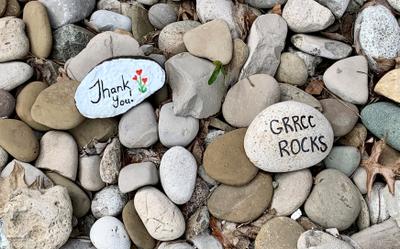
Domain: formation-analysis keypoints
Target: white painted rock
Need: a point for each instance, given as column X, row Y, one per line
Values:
column 105, row 20
column 323, row 47
column 178, row 171
column 266, row 41
column 138, row 127
column 134, row 176
column 288, row 136
column 14, row 42
column 108, row 202
column 307, row 16
column 89, row 173
column 348, row 79
column 13, row 74
column 58, row 153
column 162, row 219
column 109, row 233
column 115, row 86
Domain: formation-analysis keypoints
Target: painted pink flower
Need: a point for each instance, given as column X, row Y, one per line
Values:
column 139, row 72
column 144, row 81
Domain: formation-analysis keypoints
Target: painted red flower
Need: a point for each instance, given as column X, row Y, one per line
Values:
column 144, row 81
column 139, row 71
column 134, row 77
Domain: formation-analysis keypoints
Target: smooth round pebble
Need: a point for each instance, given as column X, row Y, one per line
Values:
column 109, row 233
column 136, row 175
column 162, row 14
column 13, row 74
column 343, row 158
column 360, row 179
column 7, row 104
column 89, row 173
column 105, row 20
column 108, row 202
column 292, row 69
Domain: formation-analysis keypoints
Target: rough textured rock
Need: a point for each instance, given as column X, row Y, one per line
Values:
column 292, row 69
column 338, row 7
column 245, row 203
column 7, row 104
column 319, row 240
column 162, row 219
column 191, row 94
column 389, row 85
column 343, row 158
column 265, row 49
column 134, row 176
column 89, row 173
column 103, row 237
column 290, row 92
column 247, row 98
column 31, row 173
column 170, row 40
column 13, row 74
column 110, row 163
column 311, row 61
column 379, row 236
column 108, row 202
column 307, row 16
column 395, row 4
column 162, row 14
column 13, row 40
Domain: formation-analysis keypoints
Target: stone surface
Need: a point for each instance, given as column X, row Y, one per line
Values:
column 44, row 218
column 13, row 74
column 307, row 16
column 110, row 163
column 348, row 79
column 178, row 171
column 314, row 239
column 392, row 202
column 318, row 46
column 205, row 241
column 290, row 92
column 198, row 199
column 89, row 173
column 137, row 175
column 249, row 97
column 198, row 223
column 225, row 160
column 363, row 220
column 3, row 7
column 3, row 158
column 245, row 203
column 162, row 14
column 141, row 25
column 138, row 133
column 334, row 200
column 38, row 29
column 108, row 202
column 162, row 219
column 292, row 69
column 378, row 211
column 13, row 40
column 266, row 42
column 304, row 141
column 338, row 7
column 292, row 191
column 191, row 94
column 311, row 61
column 262, row 4
column 7, row 104
column 31, row 173
column 211, row 40
column 62, row 12
column 105, row 20
column 103, row 46
column 13, row 8
column 360, row 179
column 279, row 233
column 148, row 2
column 69, row 41
column 55, row 107
column 377, row 23
column 175, row 130
column 343, row 158
column 395, row 4
column 80, row 201
column 355, row 137
column 135, row 227
column 58, row 153
column 103, row 237
column 170, row 40
column 78, row 244
column 342, row 115
column 18, row 140
column 239, row 57
column 389, row 85
column 174, row 245
column 382, row 120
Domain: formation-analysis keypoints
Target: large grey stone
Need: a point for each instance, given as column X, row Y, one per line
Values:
column 137, row 175
column 162, row 14
column 343, row 158
column 89, row 173
column 13, row 74
column 292, row 69
column 105, row 20
column 170, row 40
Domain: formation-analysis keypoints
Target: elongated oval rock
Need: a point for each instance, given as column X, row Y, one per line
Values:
column 13, row 74
column 290, row 92
column 288, row 136
column 383, row 119
column 115, row 86
column 162, row 219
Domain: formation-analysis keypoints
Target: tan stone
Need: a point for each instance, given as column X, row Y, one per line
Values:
column 389, row 85
column 92, row 130
column 13, row 8
column 3, row 7
column 239, row 57
column 356, row 137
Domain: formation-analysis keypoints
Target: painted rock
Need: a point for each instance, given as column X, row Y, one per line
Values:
column 115, row 86
column 288, row 136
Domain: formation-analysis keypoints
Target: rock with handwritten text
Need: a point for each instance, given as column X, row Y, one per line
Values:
column 115, row 86
column 288, row 136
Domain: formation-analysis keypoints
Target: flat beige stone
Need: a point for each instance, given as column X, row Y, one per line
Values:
column 389, row 85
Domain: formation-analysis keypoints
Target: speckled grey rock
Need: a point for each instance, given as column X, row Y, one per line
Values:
column 338, row 7
column 170, row 40
column 175, row 130
column 378, row 211
column 7, row 104
column 105, row 20
column 89, row 173
column 292, row 191
column 360, row 179
column 395, row 4
column 319, row 46
column 377, row 23
column 348, row 79
column 198, row 223
column 192, row 96
column 110, row 163
column 307, row 16
column 343, row 158
column 382, row 120
column 265, row 49
column 342, row 115
column 108, row 202
column 136, row 175
column 63, row 12
column 274, row 147
column 334, row 200
column 249, row 97
column 162, row 14
column 14, row 42
column 290, row 92
column 103, row 237
column 13, row 74
column 138, row 133
column 178, row 171
column 314, row 239
column 292, row 69
column 262, row 4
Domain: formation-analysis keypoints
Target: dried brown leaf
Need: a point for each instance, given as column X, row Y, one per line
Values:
column 187, row 11
column 315, row 87
column 277, row 9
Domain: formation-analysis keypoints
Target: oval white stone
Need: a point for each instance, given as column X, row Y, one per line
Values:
column 115, row 86
column 288, row 136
